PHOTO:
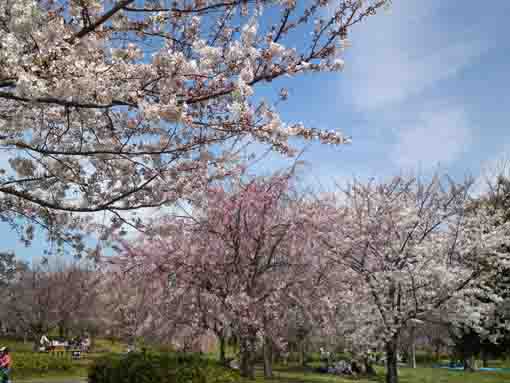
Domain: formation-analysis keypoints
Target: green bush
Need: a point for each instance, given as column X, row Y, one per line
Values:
column 313, row 357
column 164, row 348
column 426, row 358
column 343, row 356
column 35, row 364
column 160, row 368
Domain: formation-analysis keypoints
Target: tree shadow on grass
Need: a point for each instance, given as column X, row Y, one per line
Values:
column 294, row 374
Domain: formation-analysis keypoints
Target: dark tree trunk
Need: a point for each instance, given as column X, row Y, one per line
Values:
column 36, row 339
column 302, row 358
column 485, row 359
column 247, row 350
column 268, row 357
column 469, row 363
column 392, row 361
column 93, row 341
column 369, row 368
column 222, row 348
column 301, row 352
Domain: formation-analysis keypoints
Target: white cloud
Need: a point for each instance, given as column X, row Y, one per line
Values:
column 400, row 55
column 399, row 76
column 395, row 76
column 438, row 137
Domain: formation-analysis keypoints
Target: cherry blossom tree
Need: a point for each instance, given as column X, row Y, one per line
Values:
column 10, row 270
column 242, row 259
column 306, row 311
column 117, row 106
column 491, row 333
column 128, row 306
column 261, row 230
column 10, row 266
column 414, row 249
column 353, row 319
column 51, row 295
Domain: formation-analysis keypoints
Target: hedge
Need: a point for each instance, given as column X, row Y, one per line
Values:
column 159, row 368
column 36, row 364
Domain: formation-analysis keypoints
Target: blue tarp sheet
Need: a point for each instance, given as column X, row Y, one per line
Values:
column 460, row 368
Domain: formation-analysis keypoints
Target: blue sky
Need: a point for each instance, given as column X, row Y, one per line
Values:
column 425, row 85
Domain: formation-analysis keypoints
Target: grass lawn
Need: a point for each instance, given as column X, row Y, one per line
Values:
column 287, row 374
column 295, row 375
column 29, row 365
column 407, row 375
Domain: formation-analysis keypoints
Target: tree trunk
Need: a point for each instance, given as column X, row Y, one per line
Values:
column 391, row 361
column 268, row 357
column 300, row 352
column 485, row 358
column 37, row 340
column 303, row 355
column 369, row 368
column 247, row 367
column 412, row 353
column 222, row 348
column 469, row 363
column 92, row 338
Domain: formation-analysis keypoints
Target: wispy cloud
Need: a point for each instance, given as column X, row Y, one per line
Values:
column 397, row 76
column 439, row 136
column 399, row 55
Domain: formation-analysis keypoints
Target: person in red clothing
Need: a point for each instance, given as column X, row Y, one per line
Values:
column 5, row 363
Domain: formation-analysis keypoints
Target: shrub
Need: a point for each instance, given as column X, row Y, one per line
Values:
column 35, row 364
column 160, row 368
column 345, row 356
column 313, row 357
column 164, row 348
column 426, row 358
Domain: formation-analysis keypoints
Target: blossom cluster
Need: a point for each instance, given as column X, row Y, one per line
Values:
column 110, row 105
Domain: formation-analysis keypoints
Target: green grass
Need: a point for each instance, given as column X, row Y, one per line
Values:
column 17, row 346
column 435, row 375
column 230, row 352
column 299, row 375
column 407, row 375
column 109, row 346
column 21, row 352
column 296, row 375
column 290, row 374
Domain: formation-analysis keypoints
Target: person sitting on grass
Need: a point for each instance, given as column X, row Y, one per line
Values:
column 45, row 343
column 85, row 344
column 5, row 363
